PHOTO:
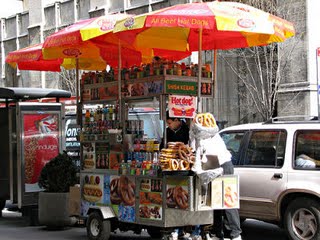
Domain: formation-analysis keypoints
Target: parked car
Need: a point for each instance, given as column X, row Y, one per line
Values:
column 277, row 162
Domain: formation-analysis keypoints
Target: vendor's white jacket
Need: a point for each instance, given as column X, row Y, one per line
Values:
column 208, row 142
column 215, row 146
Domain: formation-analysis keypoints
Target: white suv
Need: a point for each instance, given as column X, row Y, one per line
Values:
column 279, row 173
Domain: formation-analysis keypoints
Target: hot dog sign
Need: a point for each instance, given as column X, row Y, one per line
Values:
column 182, row 106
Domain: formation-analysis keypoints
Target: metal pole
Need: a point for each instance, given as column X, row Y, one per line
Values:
column 214, row 73
column 318, row 80
column 163, row 117
column 199, row 70
column 79, row 110
column 119, row 82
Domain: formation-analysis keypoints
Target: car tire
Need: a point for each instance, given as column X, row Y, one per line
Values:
column 302, row 219
column 97, row 227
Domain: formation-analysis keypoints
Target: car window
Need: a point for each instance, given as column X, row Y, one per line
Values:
column 233, row 143
column 307, row 150
column 266, row 149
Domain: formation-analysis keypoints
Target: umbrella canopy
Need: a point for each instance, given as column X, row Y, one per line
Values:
column 224, row 25
column 30, row 58
column 74, row 41
column 94, row 38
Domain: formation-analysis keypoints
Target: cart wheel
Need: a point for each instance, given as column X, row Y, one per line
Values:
column 97, row 227
column 155, row 232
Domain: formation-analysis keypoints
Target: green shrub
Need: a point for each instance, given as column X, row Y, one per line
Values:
column 58, row 174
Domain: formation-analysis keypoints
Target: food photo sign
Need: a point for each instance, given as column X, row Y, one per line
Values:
column 105, row 190
column 177, row 193
column 182, row 106
column 150, row 203
column 225, row 192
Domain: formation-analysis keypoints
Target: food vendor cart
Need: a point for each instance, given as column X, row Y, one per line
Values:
column 32, row 133
column 127, row 181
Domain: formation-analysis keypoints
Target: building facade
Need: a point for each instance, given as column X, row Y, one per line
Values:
column 297, row 93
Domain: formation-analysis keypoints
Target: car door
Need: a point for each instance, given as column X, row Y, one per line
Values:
column 259, row 166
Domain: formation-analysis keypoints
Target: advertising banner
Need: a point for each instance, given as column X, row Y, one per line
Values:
column 40, row 144
column 182, row 106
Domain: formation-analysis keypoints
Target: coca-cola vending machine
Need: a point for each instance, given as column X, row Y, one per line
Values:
column 32, row 133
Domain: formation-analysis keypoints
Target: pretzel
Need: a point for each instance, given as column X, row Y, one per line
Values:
column 127, row 190
column 192, row 159
column 230, row 197
column 209, row 120
column 184, row 165
column 181, row 197
column 170, row 200
column 114, row 196
column 199, row 118
column 205, row 119
column 182, row 153
column 174, row 164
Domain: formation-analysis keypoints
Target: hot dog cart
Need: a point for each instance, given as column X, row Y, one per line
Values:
column 31, row 134
column 127, row 181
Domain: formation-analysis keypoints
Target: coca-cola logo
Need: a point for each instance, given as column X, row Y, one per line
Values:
column 71, row 52
column 246, row 23
column 129, row 22
column 105, row 24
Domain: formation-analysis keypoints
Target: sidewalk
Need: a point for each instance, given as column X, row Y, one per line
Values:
column 14, row 227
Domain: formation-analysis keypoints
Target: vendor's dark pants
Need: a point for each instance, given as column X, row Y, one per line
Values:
column 228, row 218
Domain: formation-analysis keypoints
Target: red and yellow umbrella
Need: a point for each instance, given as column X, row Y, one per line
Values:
column 94, row 38
column 30, row 58
column 75, row 42
column 203, row 26
column 224, row 25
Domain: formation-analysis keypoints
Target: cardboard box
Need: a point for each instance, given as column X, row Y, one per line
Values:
column 74, row 200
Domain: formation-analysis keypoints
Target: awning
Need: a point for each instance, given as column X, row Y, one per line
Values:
column 17, row 93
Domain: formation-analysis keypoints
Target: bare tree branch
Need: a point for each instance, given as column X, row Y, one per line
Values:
column 261, row 69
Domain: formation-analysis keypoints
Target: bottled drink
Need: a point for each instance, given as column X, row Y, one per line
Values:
column 87, row 116
column 91, row 116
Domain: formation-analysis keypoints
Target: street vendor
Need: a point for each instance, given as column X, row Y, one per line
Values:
column 204, row 137
column 177, row 130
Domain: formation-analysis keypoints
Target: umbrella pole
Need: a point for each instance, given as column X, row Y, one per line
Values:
column 199, row 70
column 214, row 74
column 120, row 109
column 79, row 110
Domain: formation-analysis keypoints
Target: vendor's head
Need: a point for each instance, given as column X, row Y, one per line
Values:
column 173, row 122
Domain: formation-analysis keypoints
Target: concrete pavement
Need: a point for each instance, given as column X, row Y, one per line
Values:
column 14, row 227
